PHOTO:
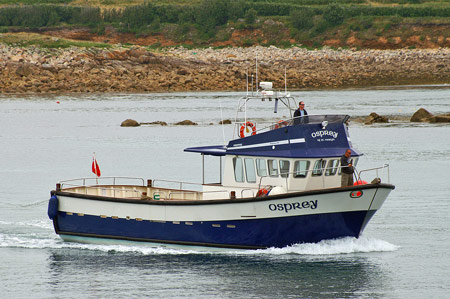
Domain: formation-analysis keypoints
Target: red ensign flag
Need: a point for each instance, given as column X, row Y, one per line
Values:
column 95, row 168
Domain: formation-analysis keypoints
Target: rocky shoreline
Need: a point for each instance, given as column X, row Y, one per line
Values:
column 420, row 116
column 136, row 69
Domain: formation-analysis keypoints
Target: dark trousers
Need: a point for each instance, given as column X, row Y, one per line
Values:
column 346, row 179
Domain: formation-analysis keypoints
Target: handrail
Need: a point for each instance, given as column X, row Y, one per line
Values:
column 288, row 174
column 323, row 170
column 177, row 182
column 385, row 166
column 99, row 179
column 292, row 121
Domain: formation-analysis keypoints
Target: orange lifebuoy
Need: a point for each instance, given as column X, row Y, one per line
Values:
column 359, row 182
column 247, row 124
column 280, row 124
column 262, row 192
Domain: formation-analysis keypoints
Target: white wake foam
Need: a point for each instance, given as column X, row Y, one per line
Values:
column 323, row 248
column 336, row 246
column 38, row 234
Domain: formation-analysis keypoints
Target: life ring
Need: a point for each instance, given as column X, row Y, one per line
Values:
column 280, row 124
column 263, row 191
column 247, row 124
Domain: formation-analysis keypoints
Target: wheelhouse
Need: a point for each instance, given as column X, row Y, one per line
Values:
column 291, row 155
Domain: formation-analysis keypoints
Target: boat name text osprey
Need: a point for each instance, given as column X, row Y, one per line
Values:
column 324, row 133
column 312, row 204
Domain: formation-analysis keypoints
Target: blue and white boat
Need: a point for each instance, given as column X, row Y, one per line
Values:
column 280, row 185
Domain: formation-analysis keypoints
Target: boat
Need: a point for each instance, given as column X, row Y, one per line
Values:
column 280, row 185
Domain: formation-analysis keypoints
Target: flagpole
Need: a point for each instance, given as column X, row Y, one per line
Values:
column 95, row 168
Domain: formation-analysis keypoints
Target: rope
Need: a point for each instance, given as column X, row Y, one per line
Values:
column 25, row 205
column 33, row 203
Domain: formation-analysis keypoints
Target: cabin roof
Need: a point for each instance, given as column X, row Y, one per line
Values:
column 215, row 150
column 314, row 136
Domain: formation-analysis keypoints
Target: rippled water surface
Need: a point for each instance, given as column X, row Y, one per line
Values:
column 403, row 253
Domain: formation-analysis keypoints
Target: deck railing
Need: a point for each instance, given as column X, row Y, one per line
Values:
column 380, row 173
column 84, row 181
column 139, row 191
column 307, row 119
column 110, row 185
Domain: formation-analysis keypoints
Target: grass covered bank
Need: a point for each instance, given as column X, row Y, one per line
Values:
column 383, row 24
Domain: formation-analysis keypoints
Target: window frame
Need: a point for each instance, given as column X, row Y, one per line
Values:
column 331, row 170
column 296, row 173
column 235, row 163
column 271, row 170
column 250, row 169
column 320, row 170
column 284, row 174
column 261, row 162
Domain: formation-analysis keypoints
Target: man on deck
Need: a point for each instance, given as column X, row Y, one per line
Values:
column 300, row 113
column 347, row 169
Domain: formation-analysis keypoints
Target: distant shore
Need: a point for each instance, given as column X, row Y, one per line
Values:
column 136, row 69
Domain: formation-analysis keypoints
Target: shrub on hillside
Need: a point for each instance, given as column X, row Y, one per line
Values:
column 302, row 19
column 334, row 14
column 250, row 16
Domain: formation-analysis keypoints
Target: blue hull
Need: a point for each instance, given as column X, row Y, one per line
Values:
column 250, row 233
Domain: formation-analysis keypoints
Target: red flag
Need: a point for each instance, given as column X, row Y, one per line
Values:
column 95, row 168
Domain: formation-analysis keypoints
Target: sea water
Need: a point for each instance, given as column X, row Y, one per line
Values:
column 403, row 253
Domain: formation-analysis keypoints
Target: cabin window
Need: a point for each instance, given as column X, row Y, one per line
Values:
column 250, row 170
column 273, row 167
column 238, row 170
column 332, row 167
column 301, row 169
column 261, row 167
column 318, row 167
column 284, row 168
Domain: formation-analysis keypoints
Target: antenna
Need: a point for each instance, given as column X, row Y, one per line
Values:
column 252, row 84
column 285, row 81
column 256, row 60
column 247, row 81
column 221, row 115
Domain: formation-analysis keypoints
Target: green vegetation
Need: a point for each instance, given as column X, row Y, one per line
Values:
column 32, row 39
column 205, row 21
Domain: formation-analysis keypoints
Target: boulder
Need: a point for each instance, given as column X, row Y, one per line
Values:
column 375, row 118
column 225, row 122
column 182, row 72
column 130, row 123
column 48, row 67
column 186, row 123
column 136, row 52
column 421, row 115
column 158, row 122
column 440, row 119
column 24, row 71
column 144, row 59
